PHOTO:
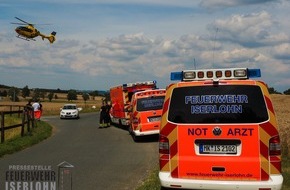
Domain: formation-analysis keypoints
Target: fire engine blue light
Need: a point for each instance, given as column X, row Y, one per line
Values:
column 176, row 76
column 254, row 73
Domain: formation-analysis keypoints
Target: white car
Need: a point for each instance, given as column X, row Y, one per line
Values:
column 70, row 111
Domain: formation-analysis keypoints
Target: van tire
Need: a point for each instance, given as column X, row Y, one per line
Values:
column 130, row 130
column 120, row 123
column 135, row 138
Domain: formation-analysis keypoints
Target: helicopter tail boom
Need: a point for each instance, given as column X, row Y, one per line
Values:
column 51, row 37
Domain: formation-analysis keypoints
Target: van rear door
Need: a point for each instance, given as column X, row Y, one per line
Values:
column 217, row 132
column 149, row 109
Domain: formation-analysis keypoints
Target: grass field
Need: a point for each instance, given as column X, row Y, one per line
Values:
column 53, row 107
column 282, row 109
column 17, row 143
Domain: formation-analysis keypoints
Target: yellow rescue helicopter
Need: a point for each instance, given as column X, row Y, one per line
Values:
column 29, row 32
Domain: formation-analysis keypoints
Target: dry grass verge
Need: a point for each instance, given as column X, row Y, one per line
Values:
column 282, row 109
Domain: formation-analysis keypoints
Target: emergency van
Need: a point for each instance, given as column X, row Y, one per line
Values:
column 219, row 131
column 121, row 98
column 145, row 115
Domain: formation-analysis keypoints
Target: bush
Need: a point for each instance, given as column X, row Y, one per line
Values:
column 287, row 92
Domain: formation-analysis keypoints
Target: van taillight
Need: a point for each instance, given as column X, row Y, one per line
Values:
column 163, row 145
column 274, row 146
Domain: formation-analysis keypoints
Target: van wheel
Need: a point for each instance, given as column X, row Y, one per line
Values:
column 135, row 138
column 130, row 130
column 120, row 124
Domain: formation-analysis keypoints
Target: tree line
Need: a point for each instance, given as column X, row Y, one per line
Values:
column 37, row 94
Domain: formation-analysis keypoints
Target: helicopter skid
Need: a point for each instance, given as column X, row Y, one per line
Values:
column 23, row 38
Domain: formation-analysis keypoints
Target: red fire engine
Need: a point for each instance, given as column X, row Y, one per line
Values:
column 121, row 98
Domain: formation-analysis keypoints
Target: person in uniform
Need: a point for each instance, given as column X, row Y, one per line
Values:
column 108, row 117
column 103, row 114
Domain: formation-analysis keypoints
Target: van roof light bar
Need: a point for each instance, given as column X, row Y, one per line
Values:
column 140, row 83
column 214, row 74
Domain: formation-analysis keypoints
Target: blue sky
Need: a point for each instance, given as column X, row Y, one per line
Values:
column 103, row 43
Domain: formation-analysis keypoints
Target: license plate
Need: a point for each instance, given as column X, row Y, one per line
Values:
column 217, row 149
column 152, row 119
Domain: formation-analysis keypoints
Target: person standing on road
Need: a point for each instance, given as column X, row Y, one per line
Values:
column 108, row 117
column 103, row 114
column 36, row 109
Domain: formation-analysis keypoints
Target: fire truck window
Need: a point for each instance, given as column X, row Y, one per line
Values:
column 150, row 103
column 218, row 104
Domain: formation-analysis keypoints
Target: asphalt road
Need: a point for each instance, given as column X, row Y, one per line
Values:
column 101, row 158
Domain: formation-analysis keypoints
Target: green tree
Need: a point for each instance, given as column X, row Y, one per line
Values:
column 36, row 95
column 25, row 92
column 13, row 93
column 94, row 94
column 273, row 91
column 86, row 96
column 50, row 96
column 72, row 95
column 42, row 94
column 4, row 93
column 287, row 92
column 107, row 95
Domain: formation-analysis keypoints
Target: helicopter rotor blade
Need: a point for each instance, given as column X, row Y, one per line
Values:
column 23, row 21
column 26, row 23
column 42, row 24
column 18, row 23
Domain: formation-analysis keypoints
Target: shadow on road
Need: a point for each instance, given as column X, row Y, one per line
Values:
column 146, row 139
column 139, row 139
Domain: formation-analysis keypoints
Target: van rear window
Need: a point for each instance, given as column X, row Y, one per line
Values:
column 150, row 103
column 218, row 104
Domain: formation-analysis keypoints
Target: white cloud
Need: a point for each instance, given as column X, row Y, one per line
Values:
column 239, row 55
column 282, row 51
column 103, row 45
column 250, row 30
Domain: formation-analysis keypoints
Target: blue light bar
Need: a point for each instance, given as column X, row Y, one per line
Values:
column 176, row 76
column 254, row 73
column 210, row 74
